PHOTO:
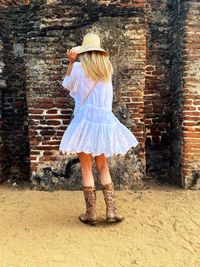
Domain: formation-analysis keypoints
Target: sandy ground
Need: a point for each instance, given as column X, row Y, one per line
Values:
column 42, row 229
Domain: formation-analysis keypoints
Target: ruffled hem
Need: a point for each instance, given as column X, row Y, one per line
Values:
column 97, row 138
column 94, row 153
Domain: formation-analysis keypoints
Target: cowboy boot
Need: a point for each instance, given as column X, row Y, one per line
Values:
column 90, row 216
column 109, row 197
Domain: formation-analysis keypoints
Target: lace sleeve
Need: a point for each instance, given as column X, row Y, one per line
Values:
column 70, row 82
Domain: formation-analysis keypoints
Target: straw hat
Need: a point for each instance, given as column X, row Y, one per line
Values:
column 91, row 42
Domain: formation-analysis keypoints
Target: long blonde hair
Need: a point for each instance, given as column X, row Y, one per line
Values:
column 96, row 65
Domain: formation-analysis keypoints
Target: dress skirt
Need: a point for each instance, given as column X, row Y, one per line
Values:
column 96, row 130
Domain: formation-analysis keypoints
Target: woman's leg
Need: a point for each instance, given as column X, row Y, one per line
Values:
column 90, row 216
column 86, row 169
column 108, row 189
column 103, row 168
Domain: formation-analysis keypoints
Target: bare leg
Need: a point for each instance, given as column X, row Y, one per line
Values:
column 86, row 169
column 103, row 168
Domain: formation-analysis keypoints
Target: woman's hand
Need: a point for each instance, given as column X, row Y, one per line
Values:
column 72, row 55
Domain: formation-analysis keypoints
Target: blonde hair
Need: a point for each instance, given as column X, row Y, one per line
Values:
column 96, row 65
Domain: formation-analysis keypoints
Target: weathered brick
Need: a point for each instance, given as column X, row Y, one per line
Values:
column 158, row 82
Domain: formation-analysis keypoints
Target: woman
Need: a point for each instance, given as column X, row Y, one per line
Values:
column 94, row 131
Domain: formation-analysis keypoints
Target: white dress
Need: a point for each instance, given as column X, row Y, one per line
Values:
column 94, row 129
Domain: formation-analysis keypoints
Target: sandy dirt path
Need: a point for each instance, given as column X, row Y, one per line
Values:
column 41, row 229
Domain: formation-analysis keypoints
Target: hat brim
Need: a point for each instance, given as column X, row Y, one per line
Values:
column 82, row 49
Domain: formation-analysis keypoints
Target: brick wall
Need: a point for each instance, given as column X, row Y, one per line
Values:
column 6, row 3
column 49, row 105
column 191, row 95
column 156, row 85
column 13, row 99
column 157, row 88
column 184, row 94
column 176, row 77
column 171, row 109
column 2, row 86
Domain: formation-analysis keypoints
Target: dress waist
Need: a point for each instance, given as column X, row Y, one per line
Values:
column 95, row 107
column 94, row 114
